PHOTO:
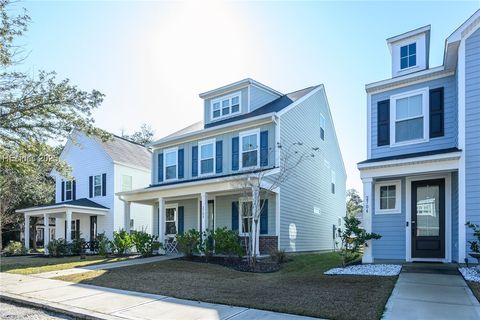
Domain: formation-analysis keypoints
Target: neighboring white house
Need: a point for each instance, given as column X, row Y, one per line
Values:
column 87, row 205
column 196, row 171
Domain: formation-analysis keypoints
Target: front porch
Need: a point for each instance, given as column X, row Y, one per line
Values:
column 73, row 220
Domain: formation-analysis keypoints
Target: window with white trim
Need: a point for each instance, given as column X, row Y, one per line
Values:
column 409, row 117
column 68, row 190
column 132, row 224
column 126, row 182
column 333, row 182
column 246, row 209
column 206, row 154
column 408, row 55
column 97, row 185
column 322, row 127
column 387, row 197
column 171, row 221
column 171, row 164
column 226, row 106
column 249, row 148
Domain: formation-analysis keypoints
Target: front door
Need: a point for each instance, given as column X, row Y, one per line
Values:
column 428, row 219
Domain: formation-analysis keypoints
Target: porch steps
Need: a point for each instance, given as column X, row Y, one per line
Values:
column 432, row 268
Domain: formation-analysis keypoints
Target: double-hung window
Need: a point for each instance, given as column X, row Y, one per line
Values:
column 246, row 209
column 97, row 185
column 408, row 55
column 68, row 190
column 387, row 197
column 409, row 117
column 225, row 106
column 249, row 148
column 171, row 220
column 171, row 164
column 206, row 150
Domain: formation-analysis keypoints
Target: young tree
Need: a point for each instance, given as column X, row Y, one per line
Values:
column 143, row 136
column 354, row 203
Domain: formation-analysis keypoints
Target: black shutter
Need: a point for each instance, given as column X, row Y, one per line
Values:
column 181, row 220
column 383, row 123
column 235, row 215
column 264, row 217
column 160, row 167
column 235, row 153
column 74, row 190
column 436, row 113
column 63, row 191
column 264, row 148
column 90, row 187
column 219, row 156
column 194, row 161
column 180, row 163
column 104, row 184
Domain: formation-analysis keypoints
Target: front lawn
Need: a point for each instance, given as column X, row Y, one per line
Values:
column 39, row 264
column 299, row 287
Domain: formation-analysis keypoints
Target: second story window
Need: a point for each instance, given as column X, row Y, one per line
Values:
column 171, row 164
column 409, row 114
column 408, row 56
column 97, row 185
column 333, row 181
column 68, row 190
column 249, row 150
column 206, row 151
column 322, row 127
column 225, row 106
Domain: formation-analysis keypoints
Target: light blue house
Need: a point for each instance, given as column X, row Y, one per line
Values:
column 197, row 172
column 422, row 176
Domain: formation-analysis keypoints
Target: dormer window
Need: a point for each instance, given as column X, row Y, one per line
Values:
column 408, row 56
column 226, row 106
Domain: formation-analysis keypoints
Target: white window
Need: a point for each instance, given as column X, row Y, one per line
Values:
column 333, row 182
column 387, row 197
column 68, row 190
column 322, row 127
column 97, row 185
column 171, row 220
column 409, row 117
column 126, row 183
column 170, row 164
column 249, row 148
column 226, row 106
column 206, row 154
column 245, row 215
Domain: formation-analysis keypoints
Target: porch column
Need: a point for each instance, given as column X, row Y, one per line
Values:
column 68, row 218
column 256, row 220
column 126, row 215
column 161, row 220
column 367, row 217
column 46, row 232
column 154, row 213
column 26, row 233
column 204, row 217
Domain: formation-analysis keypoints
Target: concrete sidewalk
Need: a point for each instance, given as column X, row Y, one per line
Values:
column 95, row 302
column 105, row 266
column 431, row 296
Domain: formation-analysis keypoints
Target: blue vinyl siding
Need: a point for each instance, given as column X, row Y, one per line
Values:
column 449, row 139
column 472, row 131
column 392, row 229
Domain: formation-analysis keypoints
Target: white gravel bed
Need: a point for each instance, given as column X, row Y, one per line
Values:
column 384, row 270
column 470, row 274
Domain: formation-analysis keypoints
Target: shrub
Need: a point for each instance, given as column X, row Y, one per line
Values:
column 57, row 248
column 122, row 242
column 15, row 248
column 207, row 247
column 279, row 256
column 227, row 242
column 103, row 245
column 143, row 242
column 76, row 246
column 189, row 242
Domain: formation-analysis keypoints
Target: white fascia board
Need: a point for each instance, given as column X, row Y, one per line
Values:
column 26, row 210
column 464, row 28
column 302, row 99
column 408, row 34
column 402, row 162
column 234, row 86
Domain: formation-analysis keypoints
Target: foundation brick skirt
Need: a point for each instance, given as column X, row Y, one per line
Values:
column 267, row 244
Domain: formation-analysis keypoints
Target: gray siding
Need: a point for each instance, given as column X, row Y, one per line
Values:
column 227, row 152
column 472, row 131
column 455, row 216
column 449, row 140
column 309, row 186
column 243, row 105
column 260, row 97
column 392, row 229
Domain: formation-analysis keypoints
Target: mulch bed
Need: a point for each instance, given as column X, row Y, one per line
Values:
column 261, row 266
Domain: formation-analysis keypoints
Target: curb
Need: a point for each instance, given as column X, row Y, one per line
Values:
column 75, row 312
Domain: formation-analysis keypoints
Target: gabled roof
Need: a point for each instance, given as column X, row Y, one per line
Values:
column 84, row 202
column 236, row 85
column 126, row 151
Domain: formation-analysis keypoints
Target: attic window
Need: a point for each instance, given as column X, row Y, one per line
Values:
column 408, row 56
column 225, row 106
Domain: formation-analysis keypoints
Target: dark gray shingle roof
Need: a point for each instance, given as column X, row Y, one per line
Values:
column 84, row 202
column 126, row 151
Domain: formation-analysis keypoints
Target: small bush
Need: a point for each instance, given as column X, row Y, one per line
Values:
column 103, row 245
column 76, row 246
column 279, row 256
column 57, row 248
column 189, row 242
column 122, row 242
column 15, row 248
column 227, row 242
column 143, row 242
column 207, row 247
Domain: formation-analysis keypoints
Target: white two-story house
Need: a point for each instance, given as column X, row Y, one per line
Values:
column 86, row 205
column 422, row 176
column 196, row 171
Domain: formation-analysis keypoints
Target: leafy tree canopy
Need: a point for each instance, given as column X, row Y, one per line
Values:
column 143, row 136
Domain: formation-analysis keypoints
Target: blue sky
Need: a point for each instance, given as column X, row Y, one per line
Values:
column 152, row 59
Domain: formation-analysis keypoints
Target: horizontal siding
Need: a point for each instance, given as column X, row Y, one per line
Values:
column 259, row 97
column 449, row 140
column 472, row 131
